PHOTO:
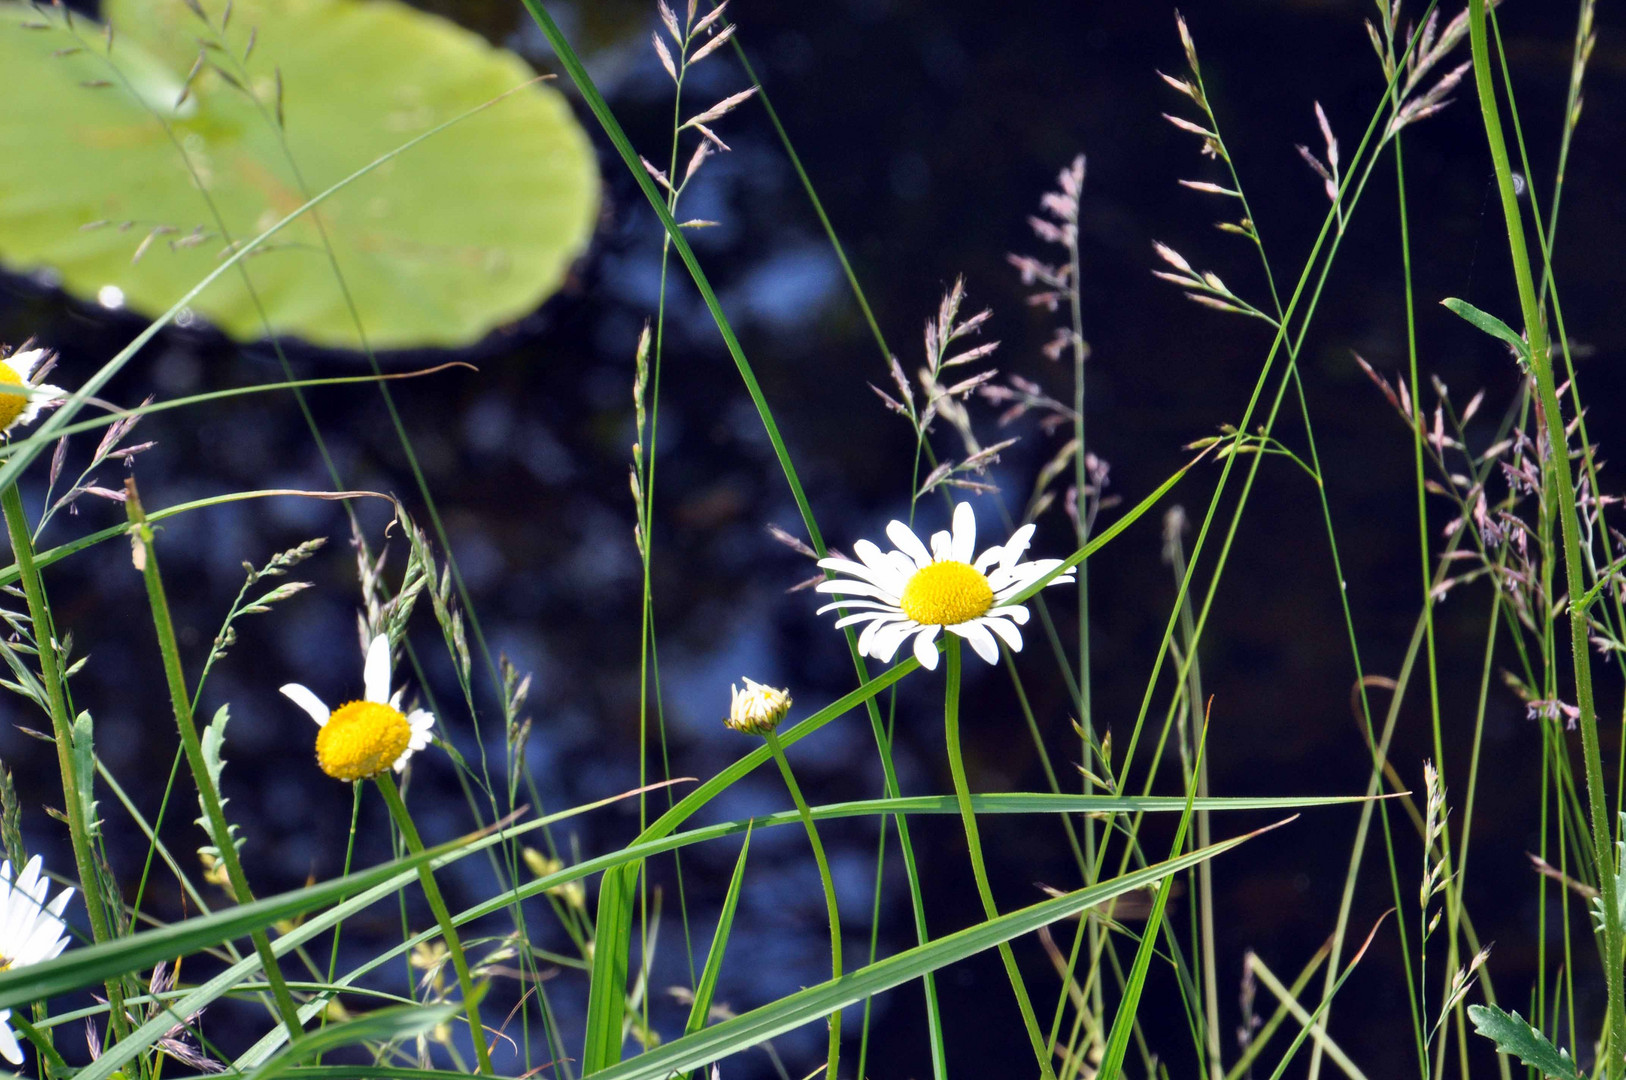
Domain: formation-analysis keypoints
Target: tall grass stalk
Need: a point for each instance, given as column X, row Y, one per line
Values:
column 1561, row 484
column 220, row 831
column 830, row 909
column 84, row 849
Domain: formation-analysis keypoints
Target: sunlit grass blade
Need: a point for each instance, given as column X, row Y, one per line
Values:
column 752, row 1028
column 81, row 967
column 50, row 555
column 382, row 1025
column 1129, row 1004
column 707, row 987
column 1288, row 999
column 1326, row 1000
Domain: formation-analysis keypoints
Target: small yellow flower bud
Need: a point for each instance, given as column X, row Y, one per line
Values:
column 214, row 871
column 759, row 709
column 539, row 864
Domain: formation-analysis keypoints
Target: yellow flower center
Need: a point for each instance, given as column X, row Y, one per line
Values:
column 11, row 405
column 947, row 594
column 361, row 739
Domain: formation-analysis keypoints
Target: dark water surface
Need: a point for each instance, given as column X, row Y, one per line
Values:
column 930, row 130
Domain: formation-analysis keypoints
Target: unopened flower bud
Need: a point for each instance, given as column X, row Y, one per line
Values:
column 758, row 709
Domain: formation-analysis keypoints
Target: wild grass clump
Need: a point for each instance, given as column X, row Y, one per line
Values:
column 376, row 970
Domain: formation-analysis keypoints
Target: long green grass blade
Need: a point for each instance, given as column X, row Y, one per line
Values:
column 805, row 1006
column 707, row 987
column 50, row 555
column 81, row 967
column 1129, row 1005
column 384, row 1025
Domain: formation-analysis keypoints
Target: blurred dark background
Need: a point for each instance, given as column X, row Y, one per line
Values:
column 930, row 131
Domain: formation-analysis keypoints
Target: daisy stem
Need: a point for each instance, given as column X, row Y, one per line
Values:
column 39, row 611
column 146, row 560
column 973, row 840
column 829, row 889
column 437, row 904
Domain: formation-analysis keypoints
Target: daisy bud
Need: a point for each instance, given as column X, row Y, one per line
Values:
column 759, row 709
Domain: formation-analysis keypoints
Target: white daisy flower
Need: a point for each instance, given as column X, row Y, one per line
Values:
column 19, row 408
column 911, row 591
column 30, row 931
column 361, row 739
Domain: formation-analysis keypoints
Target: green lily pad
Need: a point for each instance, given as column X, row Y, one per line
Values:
column 470, row 230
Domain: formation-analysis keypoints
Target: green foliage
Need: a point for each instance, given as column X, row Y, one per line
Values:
column 752, row 1028
column 84, row 769
column 214, row 742
column 11, row 834
column 701, row 1009
column 1514, row 1035
column 437, row 249
column 383, row 1025
column 1493, row 326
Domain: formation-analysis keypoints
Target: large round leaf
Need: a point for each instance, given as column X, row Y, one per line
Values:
column 469, row 230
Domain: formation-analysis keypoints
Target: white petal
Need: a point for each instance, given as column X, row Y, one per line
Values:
column 862, row 616
column 308, row 701
column 8, row 1041
column 857, row 605
column 1014, row 612
column 60, row 904
column 926, row 647
column 886, row 571
column 978, row 637
column 853, row 587
column 909, row 544
column 883, row 579
column 884, row 645
column 376, row 675
column 876, row 629
column 1006, row 630
column 942, row 546
column 41, row 399
column 904, row 565
column 45, row 942
column 987, row 559
column 1007, row 579
column 965, row 532
column 1017, row 544
column 422, row 722
column 24, row 363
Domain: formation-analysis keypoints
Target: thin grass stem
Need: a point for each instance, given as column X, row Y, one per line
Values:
column 146, row 558
column 825, row 879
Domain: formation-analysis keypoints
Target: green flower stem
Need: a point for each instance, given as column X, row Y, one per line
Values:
column 39, row 611
column 146, row 558
column 829, row 889
column 973, row 840
column 1562, row 486
column 426, row 876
